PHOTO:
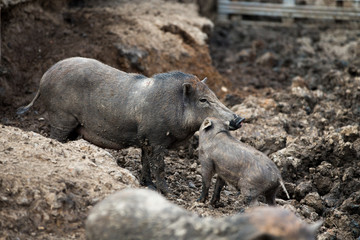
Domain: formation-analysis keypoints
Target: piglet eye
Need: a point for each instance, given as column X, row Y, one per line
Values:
column 203, row 100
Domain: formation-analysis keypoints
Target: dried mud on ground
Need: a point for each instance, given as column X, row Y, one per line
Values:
column 298, row 88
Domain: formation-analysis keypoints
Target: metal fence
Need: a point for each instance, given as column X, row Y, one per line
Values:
column 290, row 9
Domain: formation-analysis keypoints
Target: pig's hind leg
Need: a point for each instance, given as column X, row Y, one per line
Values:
column 270, row 195
column 63, row 126
column 250, row 194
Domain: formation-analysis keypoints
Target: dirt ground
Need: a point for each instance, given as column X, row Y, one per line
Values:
column 298, row 87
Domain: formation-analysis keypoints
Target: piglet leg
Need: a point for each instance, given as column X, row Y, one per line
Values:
column 207, row 172
column 220, row 183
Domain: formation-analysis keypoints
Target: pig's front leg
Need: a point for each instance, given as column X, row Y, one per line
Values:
column 145, row 170
column 207, row 172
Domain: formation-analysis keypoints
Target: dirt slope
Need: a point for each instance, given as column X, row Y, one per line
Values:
column 47, row 187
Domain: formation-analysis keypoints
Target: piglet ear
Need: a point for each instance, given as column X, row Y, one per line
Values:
column 207, row 124
column 204, row 80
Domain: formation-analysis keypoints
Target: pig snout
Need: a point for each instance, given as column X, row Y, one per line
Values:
column 236, row 122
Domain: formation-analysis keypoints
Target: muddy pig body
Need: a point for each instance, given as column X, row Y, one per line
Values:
column 236, row 163
column 114, row 109
column 144, row 214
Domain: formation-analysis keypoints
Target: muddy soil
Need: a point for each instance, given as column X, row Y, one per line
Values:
column 298, row 87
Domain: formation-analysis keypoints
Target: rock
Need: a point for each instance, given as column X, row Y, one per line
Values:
column 350, row 133
column 144, row 214
column 306, row 45
column 245, row 55
column 268, row 59
column 299, row 82
column 303, row 189
column 314, row 200
column 307, row 210
column 191, row 184
column 348, row 174
column 351, row 204
column 323, row 184
column 325, row 168
column 331, row 199
column 193, row 166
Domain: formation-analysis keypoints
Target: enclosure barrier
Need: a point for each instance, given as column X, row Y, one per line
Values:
column 289, row 10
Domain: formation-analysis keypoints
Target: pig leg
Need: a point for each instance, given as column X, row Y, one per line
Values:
column 250, row 194
column 270, row 195
column 145, row 170
column 158, row 167
column 207, row 172
column 62, row 125
column 217, row 190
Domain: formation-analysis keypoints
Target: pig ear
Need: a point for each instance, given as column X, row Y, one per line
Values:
column 207, row 124
column 204, row 80
column 186, row 89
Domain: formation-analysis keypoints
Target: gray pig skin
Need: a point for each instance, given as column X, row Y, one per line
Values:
column 236, row 163
column 114, row 109
column 136, row 214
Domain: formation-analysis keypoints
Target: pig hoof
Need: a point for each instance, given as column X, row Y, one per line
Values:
column 165, row 192
column 201, row 200
column 151, row 187
column 147, row 183
column 163, row 188
column 217, row 204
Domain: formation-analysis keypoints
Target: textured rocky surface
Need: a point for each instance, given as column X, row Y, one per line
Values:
column 47, row 187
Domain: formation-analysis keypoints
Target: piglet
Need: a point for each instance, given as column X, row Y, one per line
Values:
column 235, row 163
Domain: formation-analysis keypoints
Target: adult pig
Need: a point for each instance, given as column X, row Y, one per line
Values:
column 114, row 109
column 236, row 163
column 144, row 214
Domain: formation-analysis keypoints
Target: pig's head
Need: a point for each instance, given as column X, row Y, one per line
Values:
column 200, row 102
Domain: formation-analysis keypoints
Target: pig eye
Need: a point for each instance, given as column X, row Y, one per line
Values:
column 203, row 100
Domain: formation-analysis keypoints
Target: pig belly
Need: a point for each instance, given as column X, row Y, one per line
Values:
column 228, row 175
column 103, row 141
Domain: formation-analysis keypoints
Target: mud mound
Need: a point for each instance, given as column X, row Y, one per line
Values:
column 47, row 188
